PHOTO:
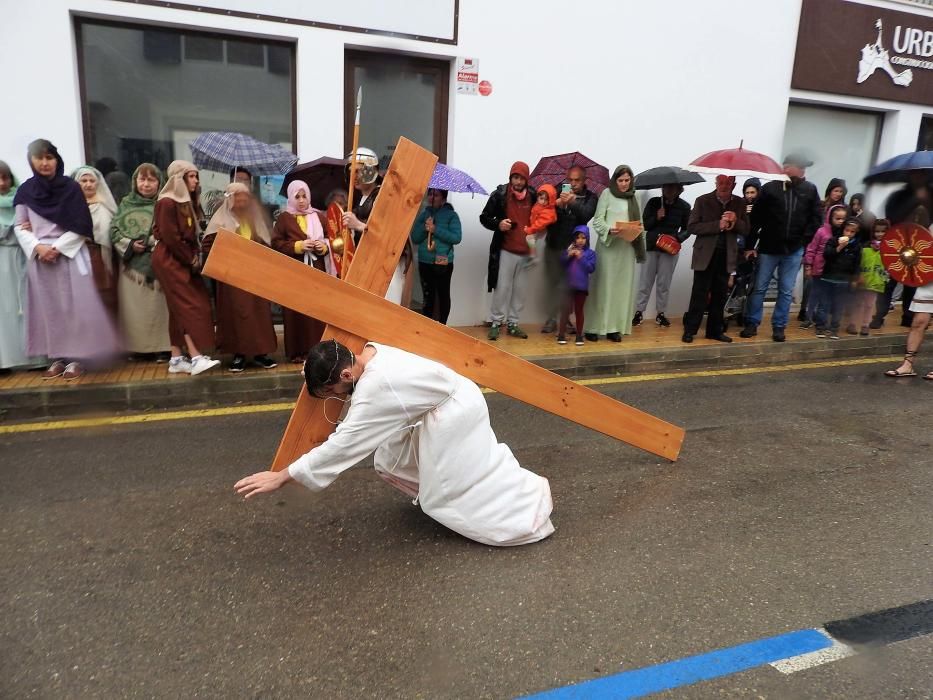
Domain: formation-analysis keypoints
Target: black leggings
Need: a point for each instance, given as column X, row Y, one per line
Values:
column 435, row 288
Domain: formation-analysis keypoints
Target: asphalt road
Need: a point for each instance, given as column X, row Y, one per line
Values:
column 130, row 568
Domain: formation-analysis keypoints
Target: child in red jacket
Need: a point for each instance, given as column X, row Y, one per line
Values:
column 543, row 214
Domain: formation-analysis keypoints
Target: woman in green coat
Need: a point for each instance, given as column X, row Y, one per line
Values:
column 436, row 231
column 611, row 302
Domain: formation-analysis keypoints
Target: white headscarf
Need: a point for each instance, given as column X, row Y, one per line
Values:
column 102, row 207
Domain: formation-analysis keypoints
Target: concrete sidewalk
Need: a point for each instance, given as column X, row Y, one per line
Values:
column 136, row 386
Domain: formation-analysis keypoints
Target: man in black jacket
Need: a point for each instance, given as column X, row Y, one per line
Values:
column 784, row 219
column 574, row 208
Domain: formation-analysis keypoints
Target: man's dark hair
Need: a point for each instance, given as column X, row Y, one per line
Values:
column 106, row 165
column 239, row 169
column 325, row 362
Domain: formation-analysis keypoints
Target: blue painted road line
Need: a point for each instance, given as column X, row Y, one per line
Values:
column 693, row 669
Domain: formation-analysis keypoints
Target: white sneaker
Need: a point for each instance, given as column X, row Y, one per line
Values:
column 179, row 365
column 202, row 363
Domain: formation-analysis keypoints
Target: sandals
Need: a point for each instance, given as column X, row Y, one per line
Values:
column 909, row 361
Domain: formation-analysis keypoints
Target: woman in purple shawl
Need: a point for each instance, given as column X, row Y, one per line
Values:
column 65, row 318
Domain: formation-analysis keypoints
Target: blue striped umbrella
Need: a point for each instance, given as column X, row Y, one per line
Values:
column 221, row 150
column 898, row 168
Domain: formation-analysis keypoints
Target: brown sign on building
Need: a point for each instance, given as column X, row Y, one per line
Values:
column 849, row 48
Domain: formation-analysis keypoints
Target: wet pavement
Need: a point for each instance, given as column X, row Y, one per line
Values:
column 130, row 568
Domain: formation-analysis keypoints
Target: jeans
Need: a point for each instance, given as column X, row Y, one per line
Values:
column 658, row 269
column 833, row 299
column 787, row 267
column 508, row 298
column 884, row 303
column 555, row 289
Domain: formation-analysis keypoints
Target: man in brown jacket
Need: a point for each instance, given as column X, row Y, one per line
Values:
column 717, row 220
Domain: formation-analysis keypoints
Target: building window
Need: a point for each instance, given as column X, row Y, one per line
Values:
column 840, row 142
column 147, row 92
column 246, row 53
column 402, row 96
column 925, row 140
column 203, row 48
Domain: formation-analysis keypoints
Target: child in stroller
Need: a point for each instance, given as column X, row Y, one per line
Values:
column 741, row 286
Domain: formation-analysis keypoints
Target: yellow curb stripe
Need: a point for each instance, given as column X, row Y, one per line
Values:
column 145, row 418
column 289, row 405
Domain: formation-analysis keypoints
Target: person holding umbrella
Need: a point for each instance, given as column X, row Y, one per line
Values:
column 576, row 205
column 436, row 231
column 666, row 215
column 717, row 221
column 784, row 219
column 911, row 204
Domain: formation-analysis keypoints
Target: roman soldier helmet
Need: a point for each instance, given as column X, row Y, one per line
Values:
column 367, row 165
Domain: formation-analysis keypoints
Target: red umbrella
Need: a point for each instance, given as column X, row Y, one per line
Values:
column 738, row 162
column 552, row 170
column 907, row 253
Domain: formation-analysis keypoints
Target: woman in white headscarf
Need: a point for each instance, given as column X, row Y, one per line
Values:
column 244, row 321
column 102, row 205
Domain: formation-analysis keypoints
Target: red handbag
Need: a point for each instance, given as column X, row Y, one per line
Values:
column 668, row 244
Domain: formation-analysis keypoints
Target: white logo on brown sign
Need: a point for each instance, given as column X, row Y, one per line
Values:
column 876, row 57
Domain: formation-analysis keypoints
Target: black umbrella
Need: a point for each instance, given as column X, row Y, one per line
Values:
column 321, row 176
column 899, row 168
column 654, row 178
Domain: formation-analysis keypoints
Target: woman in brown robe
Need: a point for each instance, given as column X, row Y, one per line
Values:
column 176, row 262
column 299, row 233
column 244, row 321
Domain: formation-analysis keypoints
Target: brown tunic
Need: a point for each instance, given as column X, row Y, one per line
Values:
column 301, row 332
column 244, row 321
column 104, row 280
column 189, row 305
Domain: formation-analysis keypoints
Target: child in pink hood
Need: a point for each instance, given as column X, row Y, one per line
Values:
column 813, row 260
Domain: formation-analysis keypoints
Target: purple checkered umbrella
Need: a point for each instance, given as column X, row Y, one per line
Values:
column 552, row 170
column 221, row 150
column 453, row 180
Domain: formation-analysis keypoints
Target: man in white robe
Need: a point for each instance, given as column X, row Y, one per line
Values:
column 429, row 428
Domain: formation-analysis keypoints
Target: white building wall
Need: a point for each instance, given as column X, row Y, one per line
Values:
column 643, row 83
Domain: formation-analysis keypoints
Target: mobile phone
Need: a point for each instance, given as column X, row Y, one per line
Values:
column 565, row 188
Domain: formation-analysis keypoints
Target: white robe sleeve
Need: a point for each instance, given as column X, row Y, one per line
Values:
column 27, row 239
column 69, row 243
column 374, row 416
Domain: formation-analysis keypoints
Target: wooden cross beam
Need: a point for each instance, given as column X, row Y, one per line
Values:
column 355, row 310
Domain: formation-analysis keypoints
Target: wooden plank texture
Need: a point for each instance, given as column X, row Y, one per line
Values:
column 387, row 231
column 276, row 277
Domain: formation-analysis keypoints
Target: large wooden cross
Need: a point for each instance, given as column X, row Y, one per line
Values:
column 356, row 312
